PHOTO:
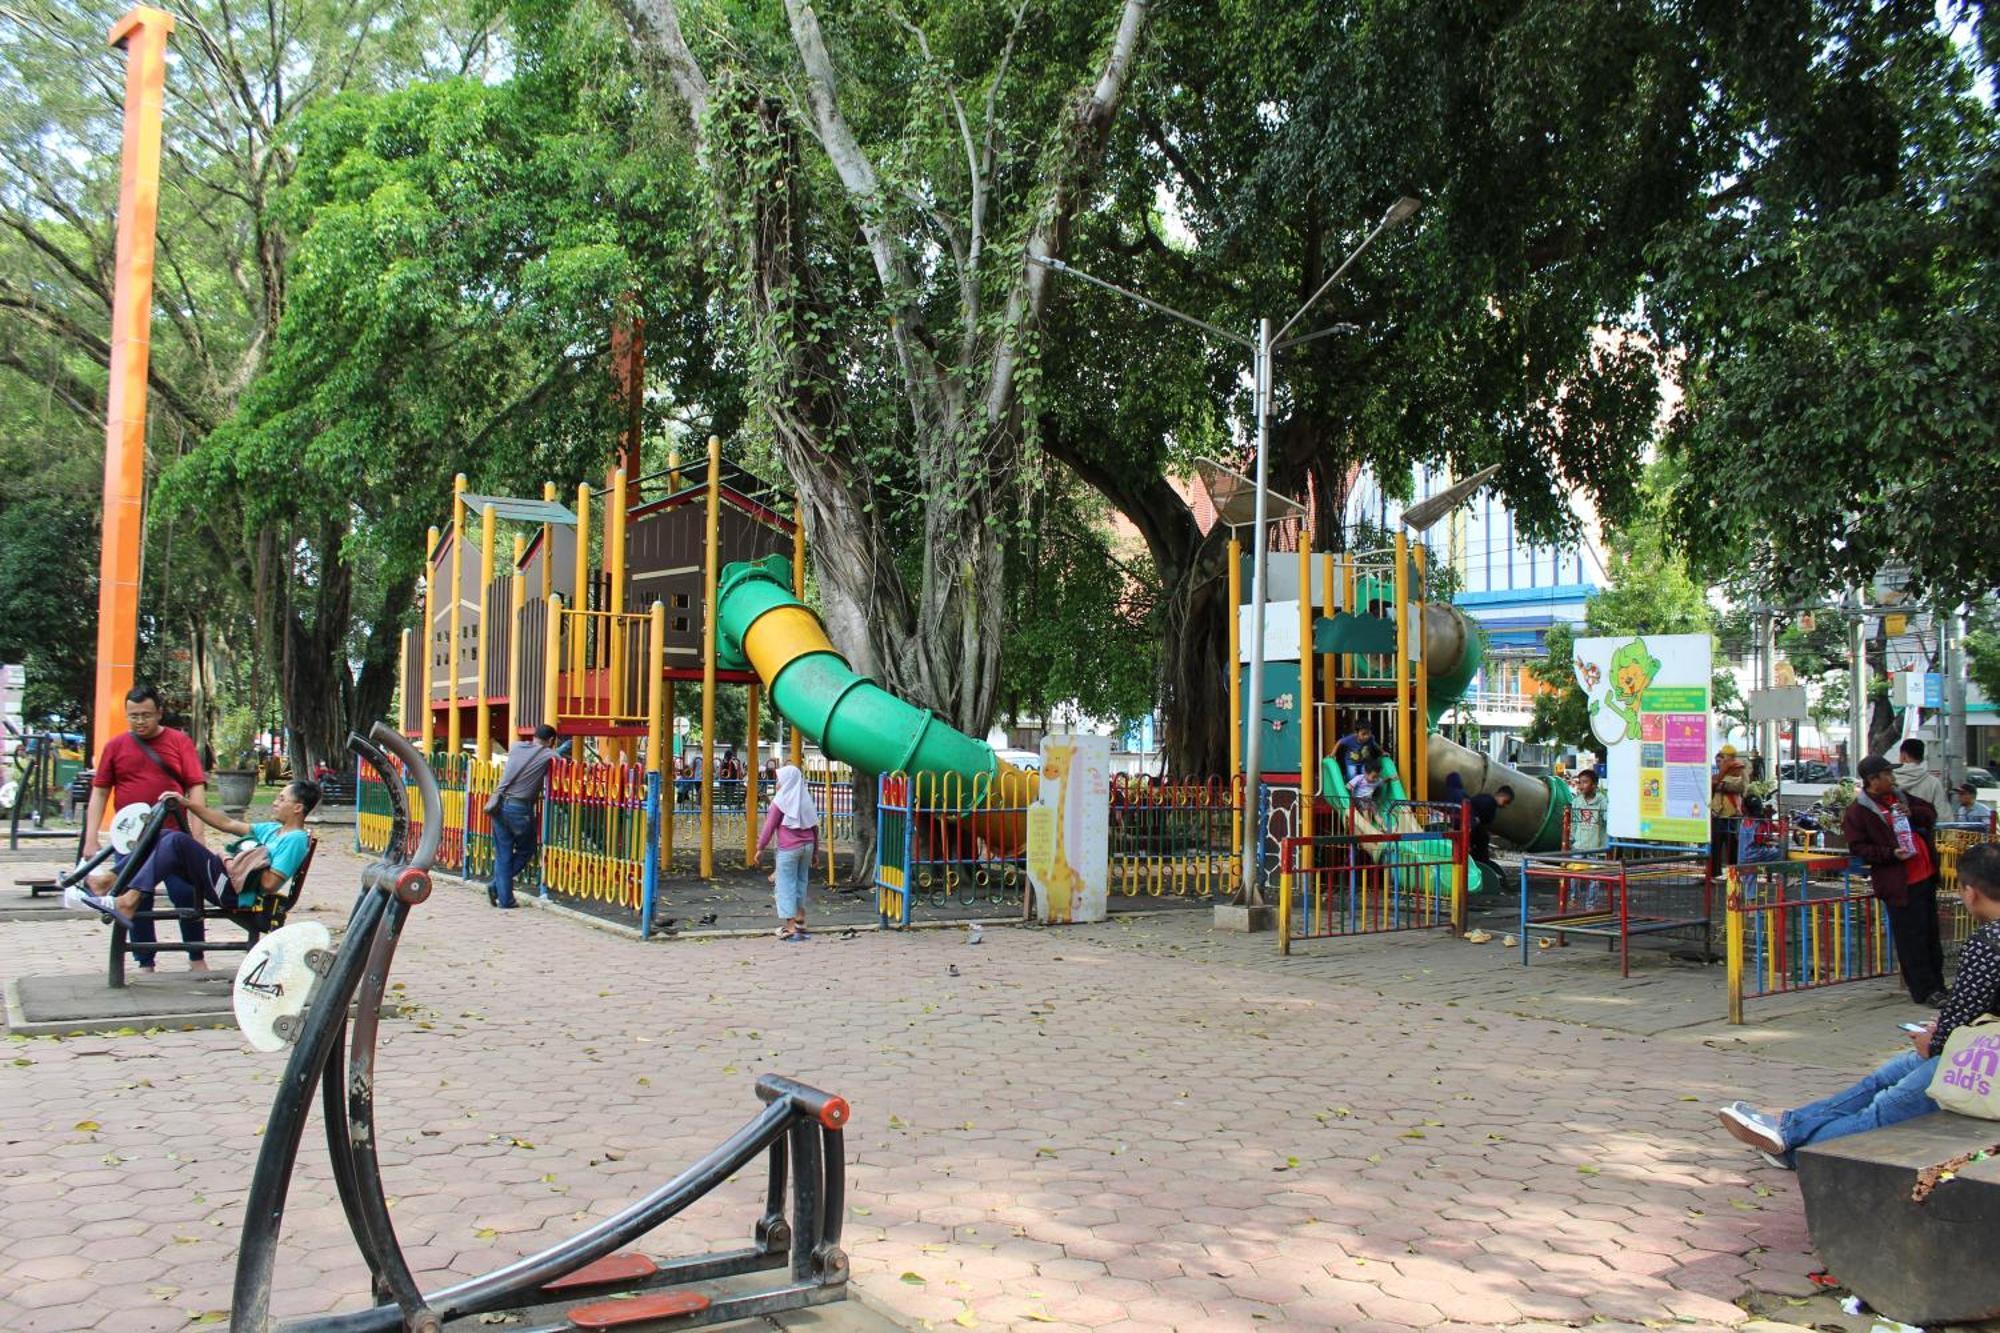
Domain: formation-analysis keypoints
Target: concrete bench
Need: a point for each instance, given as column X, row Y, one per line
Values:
column 1922, row 1262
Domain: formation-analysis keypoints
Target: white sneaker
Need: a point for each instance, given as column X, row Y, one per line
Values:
column 1753, row 1127
column 108, row 908
column 1772, row 1159
column 76, row 900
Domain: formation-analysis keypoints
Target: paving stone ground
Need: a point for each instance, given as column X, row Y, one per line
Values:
column 1139, row 1125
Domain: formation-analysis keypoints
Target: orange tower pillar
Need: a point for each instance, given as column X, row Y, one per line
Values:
column 143, row 34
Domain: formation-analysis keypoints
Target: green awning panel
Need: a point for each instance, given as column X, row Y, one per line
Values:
column 521, row 511
column 1349, row 633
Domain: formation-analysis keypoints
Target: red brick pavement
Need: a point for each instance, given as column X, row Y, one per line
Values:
column 1064, row 1135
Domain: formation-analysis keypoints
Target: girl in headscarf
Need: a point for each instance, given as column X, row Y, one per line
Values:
column 794, row 822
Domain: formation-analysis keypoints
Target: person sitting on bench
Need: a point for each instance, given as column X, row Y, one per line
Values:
column 180, row 861
column 1900, row 1089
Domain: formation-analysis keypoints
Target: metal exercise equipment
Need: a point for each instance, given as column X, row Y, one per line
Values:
column 584, row 1282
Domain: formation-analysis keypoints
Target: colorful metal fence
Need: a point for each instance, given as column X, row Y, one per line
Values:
column 1373, row 883
column 1799, row 925
column 943, row 839
column 1171, row 838
column 594, row 835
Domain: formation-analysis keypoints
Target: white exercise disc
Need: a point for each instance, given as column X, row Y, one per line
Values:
column 274, row 981
column 125, row 827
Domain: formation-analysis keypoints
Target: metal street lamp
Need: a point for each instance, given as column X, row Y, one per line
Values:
column 1264, row 346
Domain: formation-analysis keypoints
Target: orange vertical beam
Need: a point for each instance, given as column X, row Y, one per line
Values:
column 143, row 34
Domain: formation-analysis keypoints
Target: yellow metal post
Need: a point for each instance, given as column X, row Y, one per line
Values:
column 750, row 772
column 482, row 725
column 1329, row 676
column 1284, row 911
column 673, row 471
column 517, row 590
column 580, row 590
column 1345, row 661
column 453, row 724
column 709, row 572
column 552, row 664
column 1422, row 715
column 430, row 632
column 614, row 562
column 1402, row 649
column 1733, row 946
column 1308, row 722
column 798, row 591
column 548, row 545
column 657, row 720
column 1237, row 799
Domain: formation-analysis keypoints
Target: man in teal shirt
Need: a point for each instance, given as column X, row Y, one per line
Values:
column 189, row 869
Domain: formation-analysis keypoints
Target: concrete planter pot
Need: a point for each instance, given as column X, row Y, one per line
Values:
column 234, row 788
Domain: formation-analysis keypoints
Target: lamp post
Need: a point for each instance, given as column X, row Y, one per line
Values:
column 1264, row 345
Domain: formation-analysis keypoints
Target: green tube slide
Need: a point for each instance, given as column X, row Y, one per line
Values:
column 1452, row 656
column 763, row 627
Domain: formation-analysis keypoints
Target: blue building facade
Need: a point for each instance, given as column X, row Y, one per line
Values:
column 1515, row 588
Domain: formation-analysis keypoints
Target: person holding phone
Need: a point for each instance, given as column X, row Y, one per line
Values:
column 1900, row 1089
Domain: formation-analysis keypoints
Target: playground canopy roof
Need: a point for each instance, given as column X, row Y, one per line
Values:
column 524, row 511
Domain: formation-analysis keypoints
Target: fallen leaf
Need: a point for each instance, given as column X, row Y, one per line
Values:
column 914, row 1279
column 965, row 1318
column 486, row 1233
column 87, row 1127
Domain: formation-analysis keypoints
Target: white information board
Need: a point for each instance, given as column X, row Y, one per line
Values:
column 1649, row 707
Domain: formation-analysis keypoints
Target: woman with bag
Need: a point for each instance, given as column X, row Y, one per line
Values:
column 262, row 859
column 1955, row 1061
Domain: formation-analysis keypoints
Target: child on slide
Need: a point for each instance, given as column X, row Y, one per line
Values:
column 1361, row 788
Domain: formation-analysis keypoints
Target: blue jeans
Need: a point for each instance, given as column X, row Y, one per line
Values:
column 794, row 868
column 1898, row 1091
column 514, row 832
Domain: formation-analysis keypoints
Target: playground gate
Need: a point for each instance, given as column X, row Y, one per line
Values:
column 594, row 835
column 1374, row 883
column 948, row 840
column 1801, row 925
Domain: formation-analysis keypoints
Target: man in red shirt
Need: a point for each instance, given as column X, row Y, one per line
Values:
column 142, row 765
column 1890, row 831
column 139, row 767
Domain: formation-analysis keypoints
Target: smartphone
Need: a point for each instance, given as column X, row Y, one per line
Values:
column 1913, row 1027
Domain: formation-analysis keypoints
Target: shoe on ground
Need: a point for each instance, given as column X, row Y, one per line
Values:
column 1937, row 998
column 492, row 895
column 1478, row 936
column 1752, row 1126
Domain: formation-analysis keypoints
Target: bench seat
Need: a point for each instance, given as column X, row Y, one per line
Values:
column 1922, row 1263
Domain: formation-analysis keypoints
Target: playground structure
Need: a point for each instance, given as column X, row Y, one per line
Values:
column 589, row 1281
column 590, row 632
column 1350, row 640
column 553, row 635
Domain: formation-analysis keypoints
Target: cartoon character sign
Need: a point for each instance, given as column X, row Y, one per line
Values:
column 1614, row 717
